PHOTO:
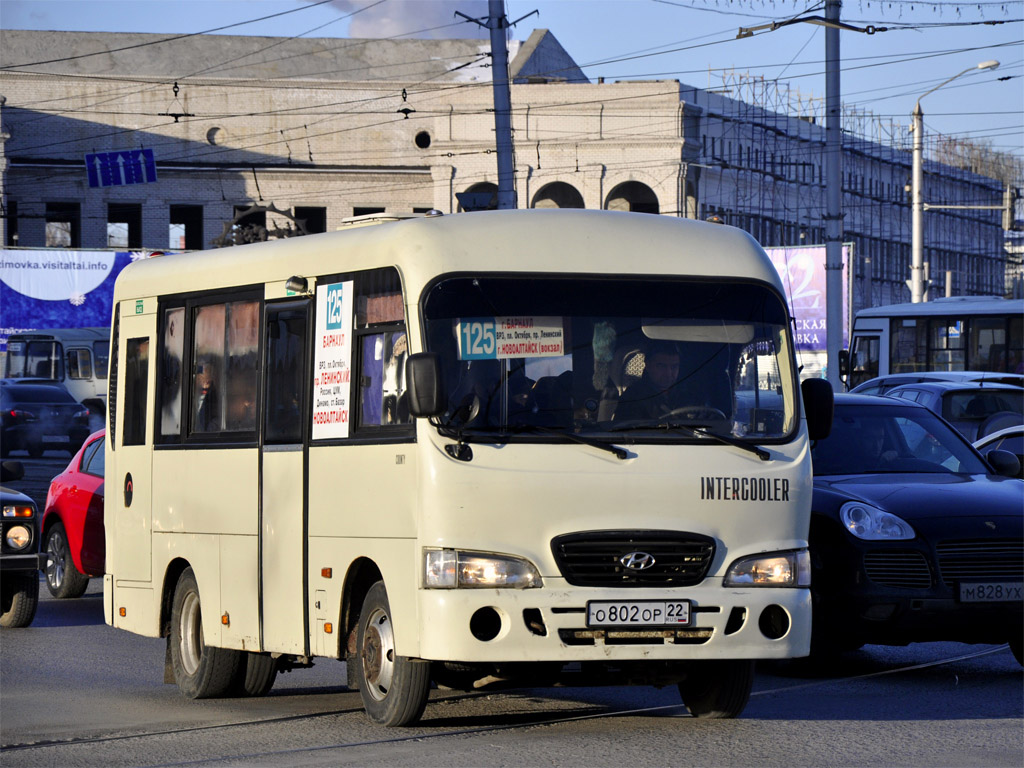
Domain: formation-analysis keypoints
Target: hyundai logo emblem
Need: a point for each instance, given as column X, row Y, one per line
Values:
column 637, row 561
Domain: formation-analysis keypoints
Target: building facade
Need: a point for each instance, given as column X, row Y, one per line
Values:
column 254, row 138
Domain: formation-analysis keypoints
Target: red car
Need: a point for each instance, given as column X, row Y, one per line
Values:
column 73, row 534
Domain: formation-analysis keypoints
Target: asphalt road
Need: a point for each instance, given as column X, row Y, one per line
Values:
column 75, row 692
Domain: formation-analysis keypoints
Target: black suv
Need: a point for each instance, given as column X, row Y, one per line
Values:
column 20, row 561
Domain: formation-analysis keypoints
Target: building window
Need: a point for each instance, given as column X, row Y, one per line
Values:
column 12, row 222
column 185, row 231
column 63, row 225
column 124, row 225
column 315, row 218
column 366, row 211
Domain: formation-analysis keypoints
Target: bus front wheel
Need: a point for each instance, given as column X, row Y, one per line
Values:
column 394, row 688
column 717, row 689
column 200, row 671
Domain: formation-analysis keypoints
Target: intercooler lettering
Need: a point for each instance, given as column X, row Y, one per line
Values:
column 744, row 488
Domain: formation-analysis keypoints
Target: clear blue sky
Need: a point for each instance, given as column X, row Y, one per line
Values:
column 689, row 40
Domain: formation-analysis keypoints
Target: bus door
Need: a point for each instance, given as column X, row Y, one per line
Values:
column 129, row 493
column 283, row 604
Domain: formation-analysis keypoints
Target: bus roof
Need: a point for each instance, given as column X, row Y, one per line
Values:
column 65, row 335
column 530, row 241
column 953, row 305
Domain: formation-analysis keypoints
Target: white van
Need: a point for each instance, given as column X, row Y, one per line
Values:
column 421, row 447
column 74, row 357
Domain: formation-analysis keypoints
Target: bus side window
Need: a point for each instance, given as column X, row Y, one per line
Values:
column 169, row 383
column 79, row 363
column 382, row 379
column 136, row 383
column 225, row 351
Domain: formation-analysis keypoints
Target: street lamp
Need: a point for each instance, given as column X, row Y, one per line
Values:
column 916, row 281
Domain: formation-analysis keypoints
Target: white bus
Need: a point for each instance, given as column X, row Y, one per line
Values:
column 74, row 357
column 406, row 446
column 959, row 333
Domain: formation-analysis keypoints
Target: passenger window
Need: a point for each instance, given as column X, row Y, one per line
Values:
column 79, row 364
column 136, row 384
column 382, row 380
column 225, row 346
column 170, row 381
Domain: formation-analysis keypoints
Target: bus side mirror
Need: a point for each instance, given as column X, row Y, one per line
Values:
column 844, row 364
column 423, row 380
column 818, row 403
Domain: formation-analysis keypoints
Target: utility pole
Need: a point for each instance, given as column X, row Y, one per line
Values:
column 833, row 196
column 497, row 23
column 918, row 282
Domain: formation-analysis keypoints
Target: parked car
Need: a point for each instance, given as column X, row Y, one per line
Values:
column 975, row 410
column 19, row 552
column 74, row 544
column 914, row 536
column 882, row 384
column 1010, row 439
column 38, row 417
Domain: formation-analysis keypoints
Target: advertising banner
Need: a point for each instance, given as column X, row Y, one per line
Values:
column 802, row 269
column 57, row 288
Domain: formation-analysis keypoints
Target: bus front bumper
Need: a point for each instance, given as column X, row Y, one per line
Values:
column 550, row 624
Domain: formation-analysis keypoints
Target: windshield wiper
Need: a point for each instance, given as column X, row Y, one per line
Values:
column 620, row 453
column 697, row 431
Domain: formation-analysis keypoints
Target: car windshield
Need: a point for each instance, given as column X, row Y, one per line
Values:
column 624, row 359
column 868, row 439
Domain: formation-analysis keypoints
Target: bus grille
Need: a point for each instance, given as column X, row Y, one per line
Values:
column 981, row 560
column 595, row 558
column 902, row 569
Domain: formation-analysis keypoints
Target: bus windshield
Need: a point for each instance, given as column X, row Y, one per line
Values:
column 628, row 359
column 34, row 360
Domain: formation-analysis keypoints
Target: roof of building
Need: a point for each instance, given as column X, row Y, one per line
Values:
column 120, row 54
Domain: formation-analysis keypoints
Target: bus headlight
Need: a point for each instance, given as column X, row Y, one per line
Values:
column 778, row 569
column 872, row 524
column 453, row 568
column 18, row 537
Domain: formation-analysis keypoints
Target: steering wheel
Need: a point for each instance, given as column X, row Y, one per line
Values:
column 698, row 413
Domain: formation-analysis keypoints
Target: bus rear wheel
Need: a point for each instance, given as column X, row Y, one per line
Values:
column 717, row 689
column 200, row 671
column 256, row 674
column 394, row 688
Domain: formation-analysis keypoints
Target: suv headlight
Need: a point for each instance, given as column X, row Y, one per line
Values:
column 18, row 537
column 776, row 569
column 454, row 568
column 872, row 524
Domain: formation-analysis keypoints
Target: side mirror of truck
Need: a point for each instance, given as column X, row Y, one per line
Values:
column 844, row 364
column 423, row 379
column 818, row 405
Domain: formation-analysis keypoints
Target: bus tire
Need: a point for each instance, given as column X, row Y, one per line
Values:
column 63, row 579
column 201, row 671
column 256, row 675
column 19, row 593
column 717, row 689
column 394, row 688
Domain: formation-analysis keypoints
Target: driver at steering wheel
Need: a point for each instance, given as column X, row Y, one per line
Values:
column 658, row 391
